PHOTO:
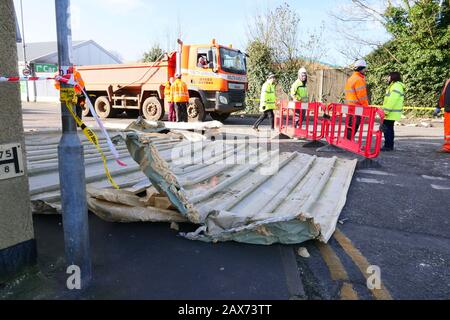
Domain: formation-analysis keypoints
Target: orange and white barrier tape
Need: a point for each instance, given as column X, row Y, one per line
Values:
column 69, row 79
column 17, row 79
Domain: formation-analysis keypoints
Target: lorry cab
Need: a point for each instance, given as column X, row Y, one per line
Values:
column 216, row 86
column 220, row 83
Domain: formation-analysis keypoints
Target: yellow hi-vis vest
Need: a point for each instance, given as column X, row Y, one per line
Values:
column 300, row 91
column 180, row 92
column 168, row 92
column 393, row 101
column 268, row 97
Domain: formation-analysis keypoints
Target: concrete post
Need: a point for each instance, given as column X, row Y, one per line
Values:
column 17, row 244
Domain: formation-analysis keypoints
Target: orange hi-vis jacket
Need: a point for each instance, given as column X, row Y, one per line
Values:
column 180, row 92
column 356, row 90
column 168, row 92
column 444, row 98
column 444, row 102
column 77, row 78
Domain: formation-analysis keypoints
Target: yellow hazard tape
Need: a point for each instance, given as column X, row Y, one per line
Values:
column 69, row 96
column 404, row 108
column 414, row 108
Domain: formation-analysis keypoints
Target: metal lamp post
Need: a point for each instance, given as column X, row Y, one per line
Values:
column 71, row 163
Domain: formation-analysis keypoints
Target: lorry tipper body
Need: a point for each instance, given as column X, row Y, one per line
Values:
column 217, row 88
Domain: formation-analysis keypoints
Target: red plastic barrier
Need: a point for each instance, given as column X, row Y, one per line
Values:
column 301, row 120
column 343, row 133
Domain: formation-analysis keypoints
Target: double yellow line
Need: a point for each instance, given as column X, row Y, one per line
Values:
column 338, row 272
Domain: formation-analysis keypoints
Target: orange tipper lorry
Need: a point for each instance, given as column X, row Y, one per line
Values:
column 217, row 88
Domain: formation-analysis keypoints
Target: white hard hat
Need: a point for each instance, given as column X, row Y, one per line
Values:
column 302, row 70
column 177, row 75
column 360, row 63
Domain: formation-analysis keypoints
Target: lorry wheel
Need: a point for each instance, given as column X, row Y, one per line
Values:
column 152, row 109
column 196, row 110
column 85, row 111
column 103, row 108
column 220, row 116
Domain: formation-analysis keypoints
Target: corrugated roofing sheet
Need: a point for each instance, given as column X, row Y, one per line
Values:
column 235, row 190
column 42, row 159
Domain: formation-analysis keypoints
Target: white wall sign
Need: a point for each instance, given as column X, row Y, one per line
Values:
column 11, row 162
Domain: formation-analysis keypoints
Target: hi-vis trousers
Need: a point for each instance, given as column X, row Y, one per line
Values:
column 446, row 146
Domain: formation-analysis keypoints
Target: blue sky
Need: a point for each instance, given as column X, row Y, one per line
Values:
column 130, row 27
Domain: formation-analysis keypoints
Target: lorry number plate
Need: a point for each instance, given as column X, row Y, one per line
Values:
column 11, row 163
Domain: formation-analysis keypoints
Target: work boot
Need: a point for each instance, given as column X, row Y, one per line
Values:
column 384, row 149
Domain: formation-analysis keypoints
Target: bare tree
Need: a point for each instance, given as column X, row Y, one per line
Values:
column 313, row 48
column 261, row 27
column 169, row 39
column 357, row 23
column 174, row 30
column 285, row 40
column 279, row 29
column 292, row 45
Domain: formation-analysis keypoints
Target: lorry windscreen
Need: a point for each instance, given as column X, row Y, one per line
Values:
column 233, row 61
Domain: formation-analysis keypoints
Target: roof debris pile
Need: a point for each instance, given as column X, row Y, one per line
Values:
column 42, row 162
column 234, row 190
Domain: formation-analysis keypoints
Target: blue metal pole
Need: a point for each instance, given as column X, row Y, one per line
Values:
column 71, row 164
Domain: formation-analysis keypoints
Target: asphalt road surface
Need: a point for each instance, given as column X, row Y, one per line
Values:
column 396, row 223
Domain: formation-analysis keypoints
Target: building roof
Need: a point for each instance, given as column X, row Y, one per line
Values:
column 36, row 50
column 41, row 50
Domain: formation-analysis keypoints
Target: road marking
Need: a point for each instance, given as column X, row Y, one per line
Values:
column 371, row 181
column 337, row 271
column 361, row 262
column 347, row 292
column 377, row 173
column 333, row 262
column 434, row 178
column 436, row 187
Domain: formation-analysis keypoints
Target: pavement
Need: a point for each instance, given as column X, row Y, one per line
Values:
column 395, row 223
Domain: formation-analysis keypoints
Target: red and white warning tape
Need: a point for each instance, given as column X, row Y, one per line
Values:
column 66, row 79
column 16, row 79
column 69, row 79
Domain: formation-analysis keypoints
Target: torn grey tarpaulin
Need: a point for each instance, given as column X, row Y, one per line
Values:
column 233, row 193
column 123, row 206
